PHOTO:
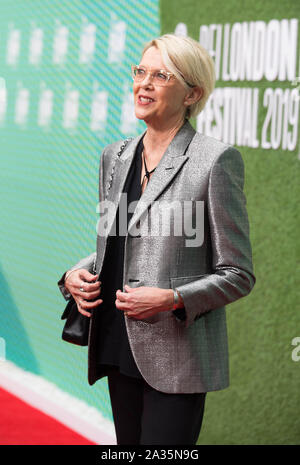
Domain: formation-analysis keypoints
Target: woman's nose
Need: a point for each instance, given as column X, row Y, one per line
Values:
column 148, row 81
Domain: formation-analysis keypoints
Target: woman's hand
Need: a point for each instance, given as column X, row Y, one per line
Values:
column 144, row 302
column 80, row 283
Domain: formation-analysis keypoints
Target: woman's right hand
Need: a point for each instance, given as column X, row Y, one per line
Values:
column 81, row 284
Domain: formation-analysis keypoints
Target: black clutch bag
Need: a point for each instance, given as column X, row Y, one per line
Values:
column 76, row 328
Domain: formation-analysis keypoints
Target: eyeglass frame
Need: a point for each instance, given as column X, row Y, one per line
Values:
column 169, row 75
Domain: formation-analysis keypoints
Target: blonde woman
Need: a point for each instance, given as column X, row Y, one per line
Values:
column 157, row 303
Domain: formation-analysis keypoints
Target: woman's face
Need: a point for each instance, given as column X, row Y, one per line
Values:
column 159, row 106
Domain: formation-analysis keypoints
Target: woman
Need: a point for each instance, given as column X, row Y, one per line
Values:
column 158, row 328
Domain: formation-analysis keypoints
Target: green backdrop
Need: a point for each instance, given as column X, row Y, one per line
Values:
column 262, row 405
column 64, row 95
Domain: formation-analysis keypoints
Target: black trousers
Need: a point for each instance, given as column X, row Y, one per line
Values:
column 143, row 415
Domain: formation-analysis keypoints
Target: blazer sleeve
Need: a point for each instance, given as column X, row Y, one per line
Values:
column 87, row 262
column 232, row 276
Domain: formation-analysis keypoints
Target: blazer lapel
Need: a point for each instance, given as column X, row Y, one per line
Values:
column 121, row 169
column 168, row 167
column 118, row 177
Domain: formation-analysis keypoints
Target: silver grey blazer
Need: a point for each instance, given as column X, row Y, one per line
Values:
column 176, row 355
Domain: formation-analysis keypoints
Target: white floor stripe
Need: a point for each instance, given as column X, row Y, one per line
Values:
column 50, row 399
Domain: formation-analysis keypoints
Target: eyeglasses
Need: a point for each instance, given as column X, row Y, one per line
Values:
column 160, row 77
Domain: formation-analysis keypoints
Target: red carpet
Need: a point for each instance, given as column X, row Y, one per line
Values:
column 21, row 424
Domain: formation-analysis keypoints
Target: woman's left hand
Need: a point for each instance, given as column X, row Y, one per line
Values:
column 144, row 302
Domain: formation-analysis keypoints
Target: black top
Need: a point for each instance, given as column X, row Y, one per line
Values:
column 113, row 344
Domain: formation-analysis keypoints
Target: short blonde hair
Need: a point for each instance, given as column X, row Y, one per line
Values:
column 190, row 63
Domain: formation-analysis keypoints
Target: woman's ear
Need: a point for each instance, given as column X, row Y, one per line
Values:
column 194, row 95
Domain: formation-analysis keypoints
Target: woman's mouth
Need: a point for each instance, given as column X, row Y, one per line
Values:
column 143, row 100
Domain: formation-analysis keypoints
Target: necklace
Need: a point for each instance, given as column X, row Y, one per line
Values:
column 147, row 173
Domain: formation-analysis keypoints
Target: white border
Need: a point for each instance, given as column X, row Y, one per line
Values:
column 48, row 398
